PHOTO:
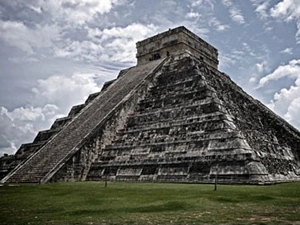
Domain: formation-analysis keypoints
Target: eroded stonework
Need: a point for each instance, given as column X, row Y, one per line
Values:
column 172, row 118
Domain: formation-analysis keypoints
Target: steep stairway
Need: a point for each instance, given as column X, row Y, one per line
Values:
column 40, row 167
column 10, row 162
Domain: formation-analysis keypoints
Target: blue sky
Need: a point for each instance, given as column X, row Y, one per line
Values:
column 54, row 53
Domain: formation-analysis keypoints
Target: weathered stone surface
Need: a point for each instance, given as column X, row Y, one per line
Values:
column 43, row 164
column 196, row 123
column 174, row 117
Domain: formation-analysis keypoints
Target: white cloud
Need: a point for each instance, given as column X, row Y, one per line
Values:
column 123, row 40
column 234, row 12
column 247, row 49
column 292, row 114
column 261, row 8
column 196, row 3
column 134, row 31
column 80, row 51
column 230, row 59
column 117, row 44
column 22, row 59
column 203, row 6
column 244, row 55
column 286, row 102
column 262, row 67
column 288, row 10
column 214, row 22
column 193, row 15
column 52, row 97
column 227, row 3
column 36, row 9
column 65, row 91
column 291, row 70
column 78, row 11
column 22, row 124
column 27, row 114
column 252, row 79
column 27, row 39
column 65, row 15
column 287, row 51
column 236, row 15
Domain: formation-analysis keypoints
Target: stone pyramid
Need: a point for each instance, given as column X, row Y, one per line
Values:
column 172, row 118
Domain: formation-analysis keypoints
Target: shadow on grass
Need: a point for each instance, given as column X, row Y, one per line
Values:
column 90, row 212
column 243, row 199
column 164, row 207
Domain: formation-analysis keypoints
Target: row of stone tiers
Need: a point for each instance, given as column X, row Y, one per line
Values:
column 265, row 132
column 179, row 121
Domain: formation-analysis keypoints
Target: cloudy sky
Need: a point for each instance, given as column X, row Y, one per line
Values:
column 54, row 53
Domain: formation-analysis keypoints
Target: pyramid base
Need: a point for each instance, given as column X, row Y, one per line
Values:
column 234, row 172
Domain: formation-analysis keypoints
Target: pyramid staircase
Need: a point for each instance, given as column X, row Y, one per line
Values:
column 64, row 143
column 10, row 162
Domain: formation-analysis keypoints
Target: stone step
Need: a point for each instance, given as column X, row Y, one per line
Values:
column 190, row 81
column 45, row 135
column 61, row 122
column 75, row 110
column 169, row 123
column 166, row 135
column 181, row 96
column 167, row 115
column 174, row 162
column 92, row 97
column 196, row 137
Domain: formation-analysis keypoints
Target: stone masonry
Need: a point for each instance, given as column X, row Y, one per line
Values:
column 172, row 118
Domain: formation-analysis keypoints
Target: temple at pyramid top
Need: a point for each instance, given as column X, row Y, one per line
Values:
column 175, row 41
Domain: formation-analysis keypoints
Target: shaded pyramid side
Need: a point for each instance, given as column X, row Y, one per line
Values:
column 275, row 143
column 187, row 130
column 44, row 163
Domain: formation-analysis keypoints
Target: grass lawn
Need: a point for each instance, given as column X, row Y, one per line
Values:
column 149, row 203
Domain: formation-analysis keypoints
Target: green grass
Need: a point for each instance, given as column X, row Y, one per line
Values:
column 149, row 203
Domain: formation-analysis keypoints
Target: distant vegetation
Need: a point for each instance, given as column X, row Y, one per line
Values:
column 149, row 203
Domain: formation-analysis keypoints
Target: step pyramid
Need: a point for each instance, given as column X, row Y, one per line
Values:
column 195, row 124
column 172, row 118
